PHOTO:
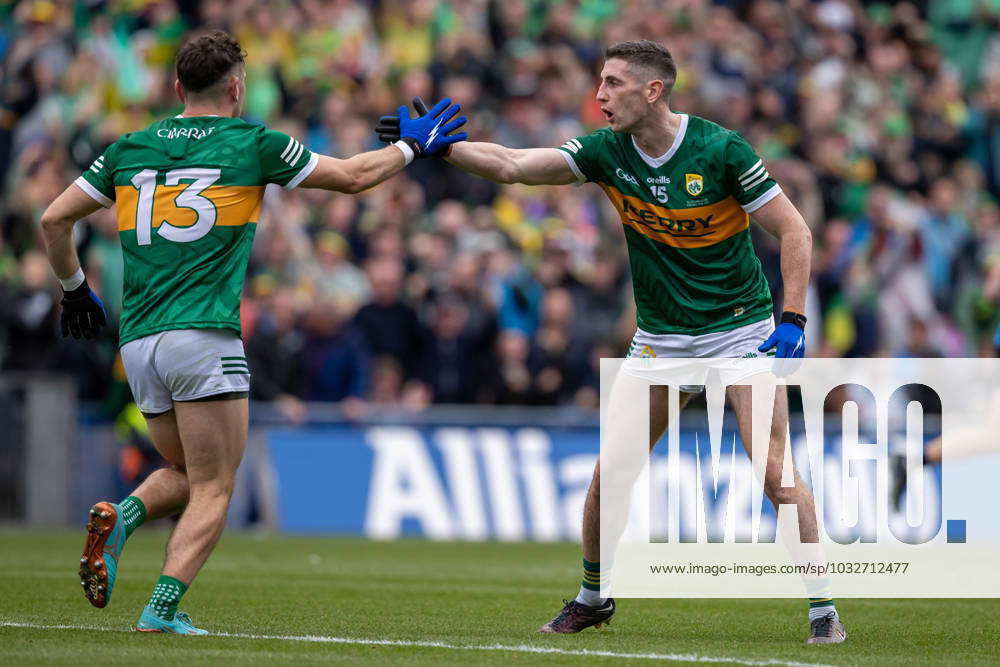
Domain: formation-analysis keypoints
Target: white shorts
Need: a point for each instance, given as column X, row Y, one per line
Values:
column 184, row 365
column 739, row 343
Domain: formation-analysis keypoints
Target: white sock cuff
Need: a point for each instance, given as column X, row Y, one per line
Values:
column 820, row 612
column 589, row 597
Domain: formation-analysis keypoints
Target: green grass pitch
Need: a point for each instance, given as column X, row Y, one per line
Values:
column 346, row 601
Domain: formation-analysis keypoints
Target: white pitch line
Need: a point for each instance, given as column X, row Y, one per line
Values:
column 517, row 648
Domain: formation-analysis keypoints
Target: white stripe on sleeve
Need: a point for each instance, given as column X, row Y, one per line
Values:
column 750, row 170
column 753, row 176
column 296, row 154
column 288, row 148
column 757, row 181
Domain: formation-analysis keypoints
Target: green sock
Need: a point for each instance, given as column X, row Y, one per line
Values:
column 166, row 596
column 133, row 514
column 591, row 576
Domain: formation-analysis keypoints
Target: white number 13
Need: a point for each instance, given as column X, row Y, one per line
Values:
column 190, row 197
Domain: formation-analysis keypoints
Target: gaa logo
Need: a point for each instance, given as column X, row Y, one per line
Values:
column 694, row 183
column 625, row 176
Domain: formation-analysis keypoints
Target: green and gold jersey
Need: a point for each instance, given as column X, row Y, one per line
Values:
column 686, row 218
column 189, row 192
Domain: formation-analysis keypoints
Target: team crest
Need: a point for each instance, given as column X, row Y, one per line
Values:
column 695, row 184
column 647, row 352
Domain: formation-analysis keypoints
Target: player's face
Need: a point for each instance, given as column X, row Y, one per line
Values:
column 622, row 96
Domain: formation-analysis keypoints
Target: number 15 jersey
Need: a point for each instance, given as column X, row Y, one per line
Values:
column 188, row 194
column 694, row 270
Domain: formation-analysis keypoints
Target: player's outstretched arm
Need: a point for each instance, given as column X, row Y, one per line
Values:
column 531, row 166
column 355, row 174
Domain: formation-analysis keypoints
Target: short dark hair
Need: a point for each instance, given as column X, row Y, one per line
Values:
column 648, row 55
column 204, row 60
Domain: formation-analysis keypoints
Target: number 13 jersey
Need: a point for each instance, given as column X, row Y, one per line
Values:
column 188, row 194
column 685, row 213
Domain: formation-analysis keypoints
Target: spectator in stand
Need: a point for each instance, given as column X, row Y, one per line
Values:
column 943, row 234
column 389, row 326
column 333, row 274
column 511, row 382
column 559, row 360
column 31, row 319
column 275, row 353
column 336, row 354
column 982, row 132
column 456, row 356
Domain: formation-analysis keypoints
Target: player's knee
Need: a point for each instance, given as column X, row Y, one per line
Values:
column 781, row 495
column 214, row 490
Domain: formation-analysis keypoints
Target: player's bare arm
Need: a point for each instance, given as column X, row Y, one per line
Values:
column 57, row 228
column 531, row 166
column 782, row 220
column 494, row 162
column 83, row 313
column 355, row 174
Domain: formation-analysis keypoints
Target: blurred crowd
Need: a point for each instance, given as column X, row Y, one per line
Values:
column 880, row 120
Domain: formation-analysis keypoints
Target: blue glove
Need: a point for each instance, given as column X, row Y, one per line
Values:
column 83, row 313
column 388, row 127
column 789, row 339
column 431, row 132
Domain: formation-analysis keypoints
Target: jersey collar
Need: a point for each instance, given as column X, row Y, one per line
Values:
column 656, row 162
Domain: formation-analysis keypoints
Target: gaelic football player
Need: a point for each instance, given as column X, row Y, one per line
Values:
column 188, row 193
column 685, row 189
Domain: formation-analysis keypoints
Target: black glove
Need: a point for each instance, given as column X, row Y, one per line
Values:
column 83, row 312
column 388, row 126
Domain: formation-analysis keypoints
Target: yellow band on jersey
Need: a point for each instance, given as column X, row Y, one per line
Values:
column 235, row 205
column 696, row 227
